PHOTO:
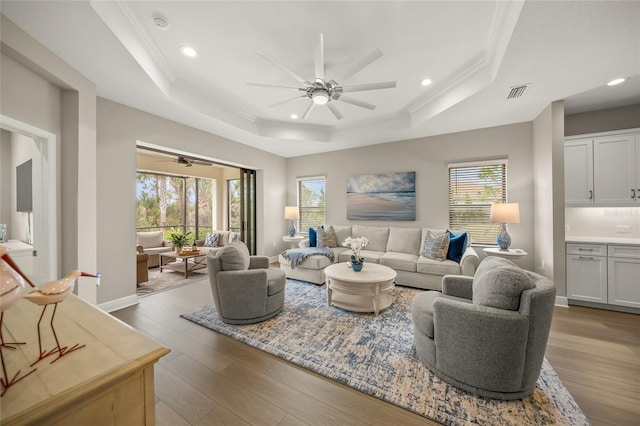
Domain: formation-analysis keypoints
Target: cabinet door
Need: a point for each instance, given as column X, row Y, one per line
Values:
column 624, row 282
column 614, row 170
column 578, row 172
column 587, row 278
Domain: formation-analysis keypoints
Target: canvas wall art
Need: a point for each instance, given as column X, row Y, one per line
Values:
column 387, row 196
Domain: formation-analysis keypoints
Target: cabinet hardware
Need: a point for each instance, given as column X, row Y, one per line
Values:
column 585, row 258
column 590, row 194
column 584, row 249
column 633, row 193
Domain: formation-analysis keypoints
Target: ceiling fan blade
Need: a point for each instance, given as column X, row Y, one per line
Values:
column 334, row 110
column 357, row 102
column 287, row 101
column 318, row 56
column 370, row 86
column 274, row 86
column 307, row 111
column 285, row 69
column 359, row 65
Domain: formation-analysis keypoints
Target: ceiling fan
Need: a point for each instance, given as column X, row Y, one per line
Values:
column 188, row 162
column 325, row 92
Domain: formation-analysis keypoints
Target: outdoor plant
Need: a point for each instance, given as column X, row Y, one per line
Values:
column 180, row 240
column 356, row 244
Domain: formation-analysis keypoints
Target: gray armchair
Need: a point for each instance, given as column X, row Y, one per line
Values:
column 486, row 334
column 244, row 289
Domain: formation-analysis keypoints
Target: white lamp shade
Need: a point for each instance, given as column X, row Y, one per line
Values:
column 291, row 212
column 505, row 213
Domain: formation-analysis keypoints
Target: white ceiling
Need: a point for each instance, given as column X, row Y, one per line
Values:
column 474, row 51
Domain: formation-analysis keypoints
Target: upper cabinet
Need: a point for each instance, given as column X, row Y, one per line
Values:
column 603, row 170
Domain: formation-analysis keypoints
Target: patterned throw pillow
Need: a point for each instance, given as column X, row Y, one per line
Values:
column 211, row 240
column 234, row 236
column 326, row 237
column 436, row 246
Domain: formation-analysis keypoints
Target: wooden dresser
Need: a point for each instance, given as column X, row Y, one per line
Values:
column 108, row 382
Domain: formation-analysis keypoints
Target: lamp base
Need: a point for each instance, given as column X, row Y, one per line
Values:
column 292, row 230
column 504, row 239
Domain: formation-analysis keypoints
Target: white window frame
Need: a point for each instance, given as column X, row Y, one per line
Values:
column 303, row 224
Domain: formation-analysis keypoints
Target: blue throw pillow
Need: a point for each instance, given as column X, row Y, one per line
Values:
column 313, row 237
column 457, row 246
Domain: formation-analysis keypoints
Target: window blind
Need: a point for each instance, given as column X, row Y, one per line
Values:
column 473, row 187
column 311, row 203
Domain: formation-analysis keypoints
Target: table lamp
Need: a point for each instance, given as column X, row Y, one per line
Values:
column 504, row 213
column 292, row 213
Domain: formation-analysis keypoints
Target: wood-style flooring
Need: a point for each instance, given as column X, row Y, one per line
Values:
column 211, row 379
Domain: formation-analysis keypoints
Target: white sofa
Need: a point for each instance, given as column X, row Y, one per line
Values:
column 153, row 244
column 224, row 238
column 398, row 248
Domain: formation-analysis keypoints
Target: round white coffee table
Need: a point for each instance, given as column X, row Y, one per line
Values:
column 366, row 291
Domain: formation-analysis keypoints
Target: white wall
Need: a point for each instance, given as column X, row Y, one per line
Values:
column 5, row 177
column 119, row 129
column 548, row 171
column 429, row 158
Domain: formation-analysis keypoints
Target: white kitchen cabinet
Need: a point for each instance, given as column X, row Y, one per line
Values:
column 587, row 272
column 615, row 170
column 578, row 172
column 603, row 169
column 624, row 276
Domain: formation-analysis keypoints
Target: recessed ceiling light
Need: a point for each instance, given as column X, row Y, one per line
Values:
column 189, row 51
column 294, row 116
column 425, row 82
column 615, row 81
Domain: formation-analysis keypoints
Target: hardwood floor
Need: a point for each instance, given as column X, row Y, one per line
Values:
column 211, row 379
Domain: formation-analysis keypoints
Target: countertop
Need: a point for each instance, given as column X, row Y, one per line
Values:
column 603, row 240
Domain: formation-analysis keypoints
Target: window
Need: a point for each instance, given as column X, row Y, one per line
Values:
column 174, row 204
column 233, row 205
column 473, row 187
column 311, row 202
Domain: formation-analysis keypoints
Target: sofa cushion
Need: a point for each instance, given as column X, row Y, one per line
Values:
column 377, row 237
column 367, row 255
column 499, row 283
column 404, row 240
column 149, row 239
column 435, row 267
column 158, row 250
column 399, row 261
column 436, row 247
column 211, row 240
column 234, row 257
column 457, row 245
column 342, row 232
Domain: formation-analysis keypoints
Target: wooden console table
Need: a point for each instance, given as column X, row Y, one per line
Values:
column 108, row 382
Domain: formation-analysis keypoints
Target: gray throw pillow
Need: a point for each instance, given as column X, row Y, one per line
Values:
column 500, row 286
column 234, row 257
column 436, row 246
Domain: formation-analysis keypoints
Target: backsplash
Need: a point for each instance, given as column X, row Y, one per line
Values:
column 612, row 222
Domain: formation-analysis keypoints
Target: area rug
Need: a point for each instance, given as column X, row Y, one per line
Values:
column 168, row 279
column 375, row 355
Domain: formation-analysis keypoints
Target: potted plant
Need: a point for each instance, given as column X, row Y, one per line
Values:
column 179, row 240
column 356, row 244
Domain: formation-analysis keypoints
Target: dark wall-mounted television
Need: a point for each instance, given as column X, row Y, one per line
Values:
column 24, row 193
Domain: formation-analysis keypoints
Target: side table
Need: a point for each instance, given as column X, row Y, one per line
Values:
column 293, row 240
column 509, row 254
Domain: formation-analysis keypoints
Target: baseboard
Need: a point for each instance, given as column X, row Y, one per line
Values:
column 562, row 301
column 123, row 302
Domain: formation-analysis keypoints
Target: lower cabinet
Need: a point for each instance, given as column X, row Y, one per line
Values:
column 604, row 274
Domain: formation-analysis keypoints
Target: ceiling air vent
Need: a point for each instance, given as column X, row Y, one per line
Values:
column 516, row 91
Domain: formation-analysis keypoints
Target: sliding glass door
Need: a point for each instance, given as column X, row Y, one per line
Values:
column 248, row 208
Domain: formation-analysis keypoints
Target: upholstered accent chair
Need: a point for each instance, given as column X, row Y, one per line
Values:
column 244, row 289
column 142, row 268
column 153, row 244
column 486, row 334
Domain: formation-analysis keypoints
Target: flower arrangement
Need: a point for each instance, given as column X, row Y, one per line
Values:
column 356, row 244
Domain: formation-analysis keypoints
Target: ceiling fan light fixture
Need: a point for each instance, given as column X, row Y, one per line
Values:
column 320, row 97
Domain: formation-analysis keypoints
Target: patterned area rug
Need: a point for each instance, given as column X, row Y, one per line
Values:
column 375, row 355
column 168, row 279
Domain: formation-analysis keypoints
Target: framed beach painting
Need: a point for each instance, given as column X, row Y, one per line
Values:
column 387, row 196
